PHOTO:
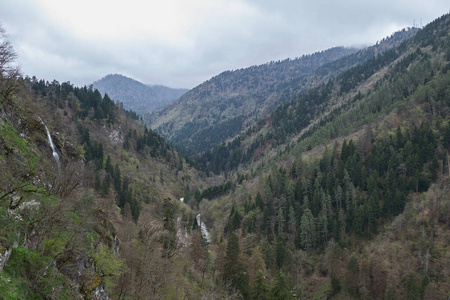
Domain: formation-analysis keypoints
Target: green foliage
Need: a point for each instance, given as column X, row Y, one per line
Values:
column 234, row 271
column 408, row 78
column 35, row 275
column 10, row 288
column 12, row 141
column 218, row 190
column 169, row 239
column 280, row 290
column 390, row 293
column 304, row 208
column 307, row 230
column 260, row 288
column 108, row 265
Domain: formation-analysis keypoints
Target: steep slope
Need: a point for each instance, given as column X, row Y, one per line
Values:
column 342, row 193
column 88, row 195
column 227, row 98
column 298, row 118
column 232, row 101
column 136, row 95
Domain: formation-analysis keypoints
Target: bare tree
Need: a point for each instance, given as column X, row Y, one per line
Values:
column 9, row 71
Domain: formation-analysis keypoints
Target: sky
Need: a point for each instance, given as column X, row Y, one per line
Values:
column 182, row 43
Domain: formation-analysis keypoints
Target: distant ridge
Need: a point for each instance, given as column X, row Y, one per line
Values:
column 135, row 95
column 217, row 109
column 229, row 103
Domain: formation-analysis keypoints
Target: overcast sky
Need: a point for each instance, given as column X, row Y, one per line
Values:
column 181, row 43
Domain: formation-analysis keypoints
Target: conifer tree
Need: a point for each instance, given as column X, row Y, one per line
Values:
column 292, row 223
column 280, row 221
column 280, row 290
column 323, row 227
column 260, row 288
column 307, row 230
column 259, row 201
column 281, row 250
column 108, row 167
column 233, row 269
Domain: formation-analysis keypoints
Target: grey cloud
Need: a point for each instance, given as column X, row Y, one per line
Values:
column 272, row 30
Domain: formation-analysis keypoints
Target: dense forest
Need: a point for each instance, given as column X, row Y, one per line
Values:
column 78, row 222
column 231, row 102
column 200, row 119
column 323, row 107
column 338, row 167
column 339, row 192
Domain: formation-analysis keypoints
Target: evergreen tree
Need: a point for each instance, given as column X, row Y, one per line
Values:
column 323, row 227
column 307, row 230
column 161, row 177
column 106, row 185
column 108, row 167
column 234, row 271
column 169, row 238
column 390, row 293
column 352, row 277
column 280, row 221
column 187, row 194
column 281, row 250
column 260, row 288
column 259, row 201
column 292, row 223
column 117, row 182
column 280, row 290
column 98, row 183
column 349, row 190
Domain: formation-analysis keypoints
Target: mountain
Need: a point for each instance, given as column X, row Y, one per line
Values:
column 340, row 192
column 230, row 102
column 136, row 95
column 303, row 113
column 224, row 100
column 87, row 196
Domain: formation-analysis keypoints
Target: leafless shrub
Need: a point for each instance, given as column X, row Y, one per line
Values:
column 9, row 71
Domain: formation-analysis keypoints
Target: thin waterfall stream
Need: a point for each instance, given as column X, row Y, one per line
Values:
column 52, row 145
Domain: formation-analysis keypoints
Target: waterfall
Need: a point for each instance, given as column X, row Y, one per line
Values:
column 50, row 141
column 203, row 228
column 116, row 245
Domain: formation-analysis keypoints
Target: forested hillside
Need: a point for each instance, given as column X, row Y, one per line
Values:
column 232, row 101
column 215, row 110
column 353, row 98
column 339, row 192
column 88, row 197
column 136, row 96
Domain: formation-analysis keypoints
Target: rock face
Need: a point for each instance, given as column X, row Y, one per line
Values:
column 100, row 293
column 5, row 253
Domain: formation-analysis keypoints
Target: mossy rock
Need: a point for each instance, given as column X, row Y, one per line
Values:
column 89, row 282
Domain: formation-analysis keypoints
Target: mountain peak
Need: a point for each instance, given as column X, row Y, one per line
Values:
column 136, row 95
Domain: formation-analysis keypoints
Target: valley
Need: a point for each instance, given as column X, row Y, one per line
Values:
column 320, row 177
